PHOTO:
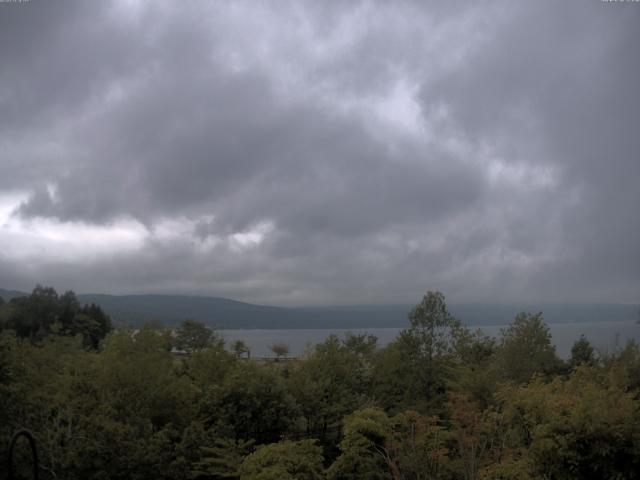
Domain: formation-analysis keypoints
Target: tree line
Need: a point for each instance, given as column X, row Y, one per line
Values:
column 439, row 402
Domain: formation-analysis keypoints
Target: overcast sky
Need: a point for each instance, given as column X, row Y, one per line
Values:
column 305, row 153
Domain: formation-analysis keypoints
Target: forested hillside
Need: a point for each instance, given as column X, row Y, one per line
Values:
column 224, row 313
column 440, row 402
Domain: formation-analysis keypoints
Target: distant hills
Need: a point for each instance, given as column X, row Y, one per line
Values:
column 223, row 313
column 9, row 294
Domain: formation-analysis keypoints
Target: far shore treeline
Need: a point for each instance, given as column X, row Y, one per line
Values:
column 439, row 402
column 224, row 313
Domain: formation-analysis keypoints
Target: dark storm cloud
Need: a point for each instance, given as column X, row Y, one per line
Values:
column 325, row 152
column 570, row 80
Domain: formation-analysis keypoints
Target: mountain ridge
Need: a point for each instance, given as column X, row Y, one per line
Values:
column 224, row 313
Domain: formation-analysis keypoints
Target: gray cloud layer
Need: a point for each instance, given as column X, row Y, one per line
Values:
column 324, row 152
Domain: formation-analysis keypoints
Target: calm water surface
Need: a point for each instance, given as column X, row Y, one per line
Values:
column 606, row 337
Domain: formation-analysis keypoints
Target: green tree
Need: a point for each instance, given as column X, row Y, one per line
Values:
column 433, row 327
column 329, row 384
column 285, row 460
column 68, row 308
column 526, row 349
column 474, row 436
column 363, row 447
column 363, row 345
column 585, row 427
column 44, row 313
column 240, row 348
column 625, row 365
column 413, row 371
column 47, row 393
column 100, row 325
column 251, row 403
column 419, row 447
column 408, row 445
column 476, row 353
column 34, row 316
column 192, row 336
column 8, row 344
column 208, row 368
column 138, row 381
column 280, row 349
column 582, row 353
column 222, row 460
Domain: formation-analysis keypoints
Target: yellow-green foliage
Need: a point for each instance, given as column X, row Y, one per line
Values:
column 438, row 403
column 285, row 460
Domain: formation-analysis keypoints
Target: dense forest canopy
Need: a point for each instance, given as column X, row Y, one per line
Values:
column 439, row 402
column 45, row 313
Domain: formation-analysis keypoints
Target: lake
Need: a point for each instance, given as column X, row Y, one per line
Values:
column 604, row 336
